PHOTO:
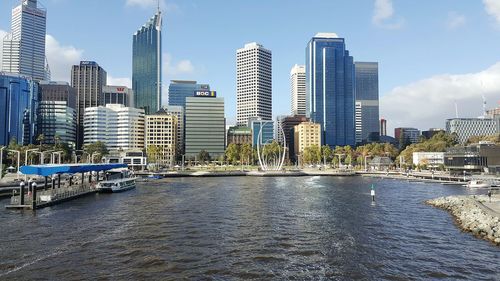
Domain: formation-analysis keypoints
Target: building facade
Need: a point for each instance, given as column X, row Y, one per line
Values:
column 161, row 134
column 57, row 113
column 24, row 47
column 179, row 90
column 146, row 65
column 288, row 124
column 178, row 111
column 430, row 159
column 432, row 132
column 87, row 78
column 367, row 96
column 253, row 83
column 464, row 128
column 406, row 135
column 359, row 122
column 205, row 127
column 19, row 102
column 239, row 135
column 481, row 157
column 330, row 89
column 120, row 128
column 267, row 134
column 306, row 135
column 383, row 127
column 298, row 86
column 117, row 95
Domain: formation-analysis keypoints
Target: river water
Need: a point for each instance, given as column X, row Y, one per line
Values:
column 247, row 228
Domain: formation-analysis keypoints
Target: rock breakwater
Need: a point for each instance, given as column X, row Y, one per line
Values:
column 471, row 215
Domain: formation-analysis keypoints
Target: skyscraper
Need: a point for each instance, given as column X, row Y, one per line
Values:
column 146, row 65
column 298, row 85
column 24, row 47
column 367, row 97
column 330, row 88
column 179, row 90
column 254, row 83
column 88, row 78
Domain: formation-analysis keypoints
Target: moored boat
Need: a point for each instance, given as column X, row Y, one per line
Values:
column 478, row 184
column 120, row 181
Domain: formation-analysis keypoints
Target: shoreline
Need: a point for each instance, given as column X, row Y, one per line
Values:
column 471, row 215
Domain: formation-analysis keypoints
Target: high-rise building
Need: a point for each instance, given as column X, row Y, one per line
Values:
column 24, row 47
column 119, row 127
column 383, row 127
column 87, row 78
column 19, row 100
column 161, row 132
column 330, row 89
column 205, row 126
column 254, row 83
column 288, row 124
column 406, row 135
column 464, row 128
column 367, row 97
column 262, row 131
column 146, row 65
column 117, row 95
column 179, row 90
column 298, row 85
column 306, row 135
column 178, row 111
column 57, row 113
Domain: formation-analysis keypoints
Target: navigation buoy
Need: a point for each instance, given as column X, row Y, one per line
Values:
column 373, row 193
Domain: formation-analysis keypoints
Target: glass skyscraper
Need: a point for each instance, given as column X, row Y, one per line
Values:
column 146, row 65
column 179, row 90
column 19, row 100
column 367, row 98
column 330, row 97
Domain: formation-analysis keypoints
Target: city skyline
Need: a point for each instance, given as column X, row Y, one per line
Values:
column 408, row 71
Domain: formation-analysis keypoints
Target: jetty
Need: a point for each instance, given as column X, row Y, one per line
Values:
column 79, row 180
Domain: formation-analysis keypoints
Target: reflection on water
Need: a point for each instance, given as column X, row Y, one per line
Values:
column 244, row 228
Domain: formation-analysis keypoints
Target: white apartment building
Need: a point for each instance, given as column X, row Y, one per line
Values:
column 254, row 83
column 465, row 128
column 359, row 122
column 298, row 86
column 119, row 127
column 431, row 159
column 24, row 47
column 161, row 131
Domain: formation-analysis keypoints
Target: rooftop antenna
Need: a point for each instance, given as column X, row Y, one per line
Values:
column 484, row 99
column 158, row 6
column 456, row 109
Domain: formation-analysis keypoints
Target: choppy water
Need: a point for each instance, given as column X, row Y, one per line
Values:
column 247, row 228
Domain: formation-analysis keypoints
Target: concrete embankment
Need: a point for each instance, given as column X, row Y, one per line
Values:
column 471, row 215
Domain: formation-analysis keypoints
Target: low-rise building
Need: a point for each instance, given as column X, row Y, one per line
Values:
column 481, row 157
column 404, row 135
column 239, row 135
column 161, row 137
column 135, row 159
column 464, row 128
column 306, row 135
column 430, row 159
column 119, row 127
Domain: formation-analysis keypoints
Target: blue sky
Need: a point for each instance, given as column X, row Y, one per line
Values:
column 431, row 54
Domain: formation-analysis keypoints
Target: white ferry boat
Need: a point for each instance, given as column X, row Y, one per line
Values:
column 478, row 184
column 118, row 181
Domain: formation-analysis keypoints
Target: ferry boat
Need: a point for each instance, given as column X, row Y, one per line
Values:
column 478, row 184
column 118, row 181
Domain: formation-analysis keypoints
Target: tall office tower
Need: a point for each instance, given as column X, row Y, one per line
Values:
column 18, row 109
column 57, row 113
column 146, row 65
column 330, row 89
column 117, row 95
column 119, row 127
column 179, row 90
column 205, row 126
column 88, row 78
column 298, row 85
column 383, row 127
column 161, row 132
column 178, row 111
column 24, row 47
column 254, row 83
column 367, row 97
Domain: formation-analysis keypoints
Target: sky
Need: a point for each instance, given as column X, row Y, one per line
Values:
column 436, row 57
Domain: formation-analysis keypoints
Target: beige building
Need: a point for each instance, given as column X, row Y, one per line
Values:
column 306, row 134
column 161, row 131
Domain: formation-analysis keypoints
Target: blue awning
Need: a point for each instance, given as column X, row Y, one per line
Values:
column 47, row 170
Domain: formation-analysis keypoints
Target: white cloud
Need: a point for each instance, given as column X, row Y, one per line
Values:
column 180, row 68
column 2, row 35
column 493, row 8
column 383, row 14
column 123, row 81
column 61, row 58
column 148, row 4
column 428, row 103
column 455, row 20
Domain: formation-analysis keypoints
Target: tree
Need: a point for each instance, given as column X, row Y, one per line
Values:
column 246, row 152
column 96, row 147
column 203, row 156
column 326, row 152
column 66, row 150
column 153, row 152
column 233, row 153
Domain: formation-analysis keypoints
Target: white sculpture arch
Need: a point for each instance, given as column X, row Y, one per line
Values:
column 275, row 163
